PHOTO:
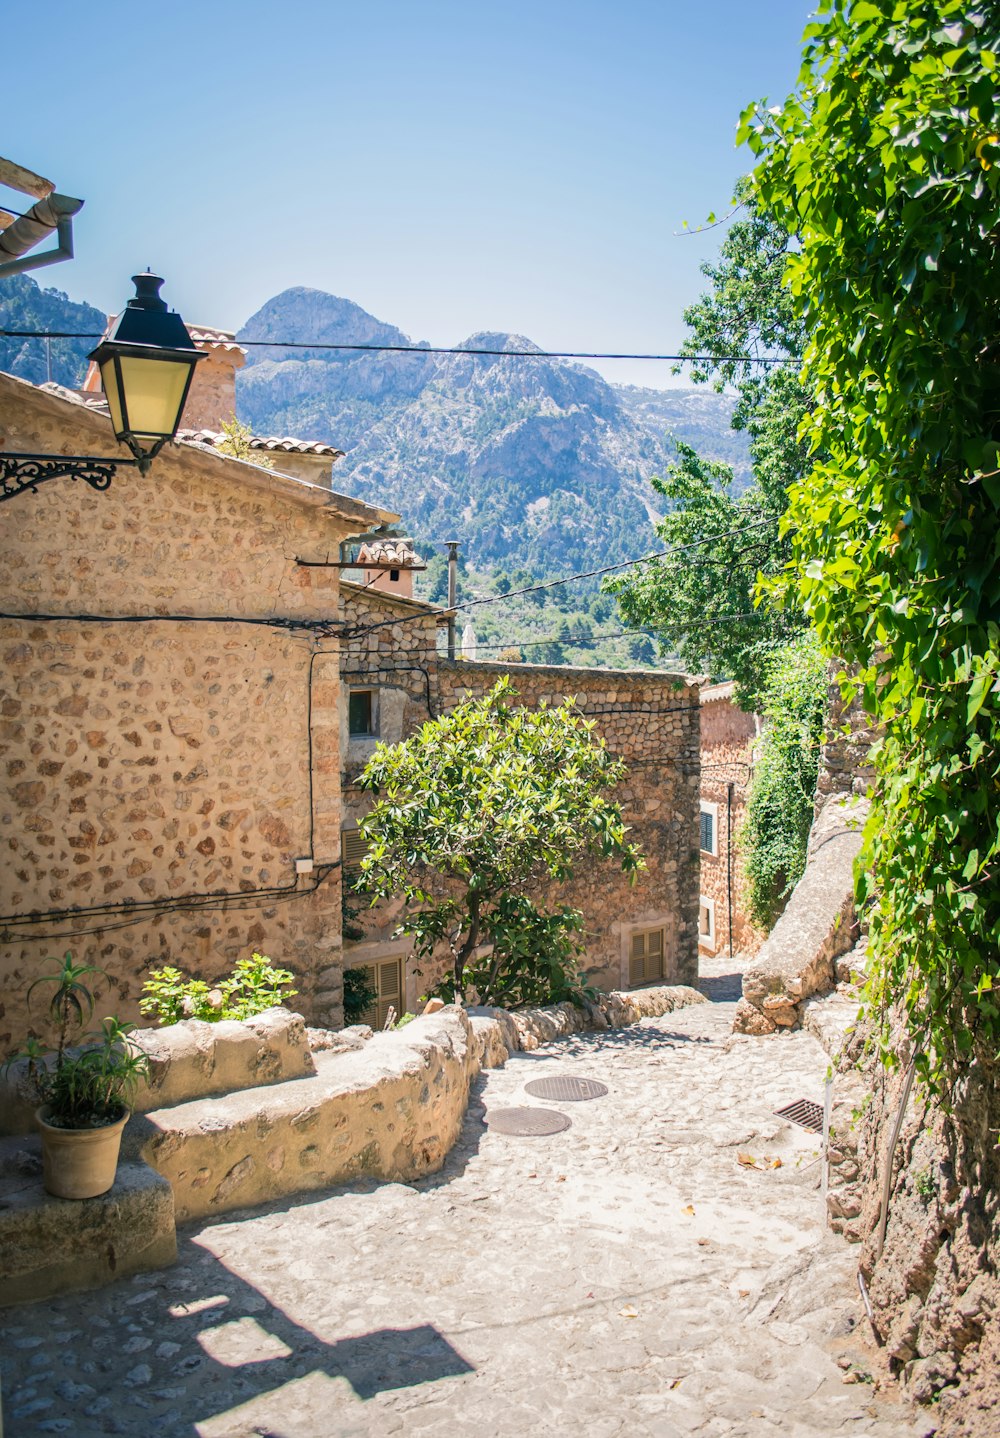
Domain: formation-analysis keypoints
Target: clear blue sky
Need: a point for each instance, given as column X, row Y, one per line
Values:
column 451, row 165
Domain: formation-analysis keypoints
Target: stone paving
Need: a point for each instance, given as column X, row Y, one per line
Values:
column 629, row 1276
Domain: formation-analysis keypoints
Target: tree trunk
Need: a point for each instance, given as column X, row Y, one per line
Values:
column 467, row 949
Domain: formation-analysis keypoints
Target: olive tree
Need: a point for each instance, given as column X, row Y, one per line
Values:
column 472, row 815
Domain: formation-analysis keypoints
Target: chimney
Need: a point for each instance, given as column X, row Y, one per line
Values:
column 212, row 397
column 388, row 566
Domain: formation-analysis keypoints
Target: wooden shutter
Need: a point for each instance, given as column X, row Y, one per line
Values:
column 645, row 964
column 637, row 961
column 352, row 848
column 386, row 977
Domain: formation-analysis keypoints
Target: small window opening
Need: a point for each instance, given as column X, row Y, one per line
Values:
column 708, row 837
column 361, row 712
column 706, row 922
column 645, row 964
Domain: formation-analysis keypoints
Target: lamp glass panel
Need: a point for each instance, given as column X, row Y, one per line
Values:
column 154, row 393
column 109, row 379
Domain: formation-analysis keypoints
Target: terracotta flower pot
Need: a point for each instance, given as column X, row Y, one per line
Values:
column 79, row 1162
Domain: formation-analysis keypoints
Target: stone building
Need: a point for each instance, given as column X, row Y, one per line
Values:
column 170, row 762
column 727, row 739
column 394, row 678
column 211, row 402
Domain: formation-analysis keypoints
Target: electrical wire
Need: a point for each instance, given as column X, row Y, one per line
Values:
column 445, row 350
column 353, row 632
column 242, row 900
column 323, row 627
column 568, row 643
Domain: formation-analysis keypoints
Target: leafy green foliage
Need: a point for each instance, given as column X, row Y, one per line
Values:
column 886, row 165
column 535, row 957
column 475, row 810
column 359, row 995
column 98, row 1084
column 237, row 442
column 253, row 987
column 775, row 829
column 701, row 602
column 94, row 1085
column 70, row 997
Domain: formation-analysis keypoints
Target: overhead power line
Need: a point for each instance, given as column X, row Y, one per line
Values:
column 445, row 350
column 353, row 631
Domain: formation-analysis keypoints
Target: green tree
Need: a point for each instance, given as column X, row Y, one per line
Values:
column 640, row 648
column 775, row 831
column 886, row 165
column 237, row 442
column 701, row 602
column 471, row 815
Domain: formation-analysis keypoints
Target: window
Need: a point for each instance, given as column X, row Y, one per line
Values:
column 386, row 977
column 706, row 922
column 709, row 828
column 645, row 958
column 352, row 848
column 361, row 713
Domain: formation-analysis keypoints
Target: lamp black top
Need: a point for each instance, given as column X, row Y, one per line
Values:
column 147, row 362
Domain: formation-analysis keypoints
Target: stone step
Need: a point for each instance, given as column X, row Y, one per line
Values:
column 189, row 1060
column 831, row 1018
column 392, row 1109
column 57, row 1245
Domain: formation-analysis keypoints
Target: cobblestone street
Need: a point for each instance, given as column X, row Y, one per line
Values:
column 627, row 1276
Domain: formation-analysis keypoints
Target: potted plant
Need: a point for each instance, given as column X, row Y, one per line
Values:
column 86, row 1093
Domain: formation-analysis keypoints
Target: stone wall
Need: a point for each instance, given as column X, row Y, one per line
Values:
column 651, row 721
column 150, row 763
column 727, row 738
column 819, row 923
column 844, row 764
column 935, row 1285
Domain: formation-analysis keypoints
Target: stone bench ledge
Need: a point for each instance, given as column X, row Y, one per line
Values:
column 58, row 1245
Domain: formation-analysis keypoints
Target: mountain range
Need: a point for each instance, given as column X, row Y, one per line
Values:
column 533, row 463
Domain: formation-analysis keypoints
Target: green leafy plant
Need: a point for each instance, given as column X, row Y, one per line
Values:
column 360, row 994
column 474, row 811
column 702, row 604
column 534, row 957
column 238, row 443
column 886, row 165
column 923, row 1182
column 95, row 1084
column 253, row 987
column 775, row 830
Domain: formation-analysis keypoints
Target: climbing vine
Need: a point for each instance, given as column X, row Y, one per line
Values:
column 886, row 164
column 779, row 812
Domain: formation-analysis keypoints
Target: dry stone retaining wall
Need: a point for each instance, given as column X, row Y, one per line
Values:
column 818, row 925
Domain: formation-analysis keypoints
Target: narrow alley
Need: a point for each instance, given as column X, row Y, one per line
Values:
column 628, row 1275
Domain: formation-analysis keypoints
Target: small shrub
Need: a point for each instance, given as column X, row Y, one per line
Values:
column 253, row 987
column 359, row 995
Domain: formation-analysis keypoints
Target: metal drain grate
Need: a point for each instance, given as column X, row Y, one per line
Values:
column 527, row 1122
column 566, row 1088
column 803, row 1112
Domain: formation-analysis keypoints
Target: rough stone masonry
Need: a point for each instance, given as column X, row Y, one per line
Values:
column 149, row 762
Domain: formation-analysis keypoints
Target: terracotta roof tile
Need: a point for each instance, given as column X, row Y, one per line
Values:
column 270, row 443
column 212, row 338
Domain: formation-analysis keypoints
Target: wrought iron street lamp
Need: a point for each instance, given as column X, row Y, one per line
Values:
column 146, row 364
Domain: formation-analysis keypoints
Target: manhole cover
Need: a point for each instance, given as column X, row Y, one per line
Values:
column 803, row 1112
column 566, row 1088
column 529, row 1122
